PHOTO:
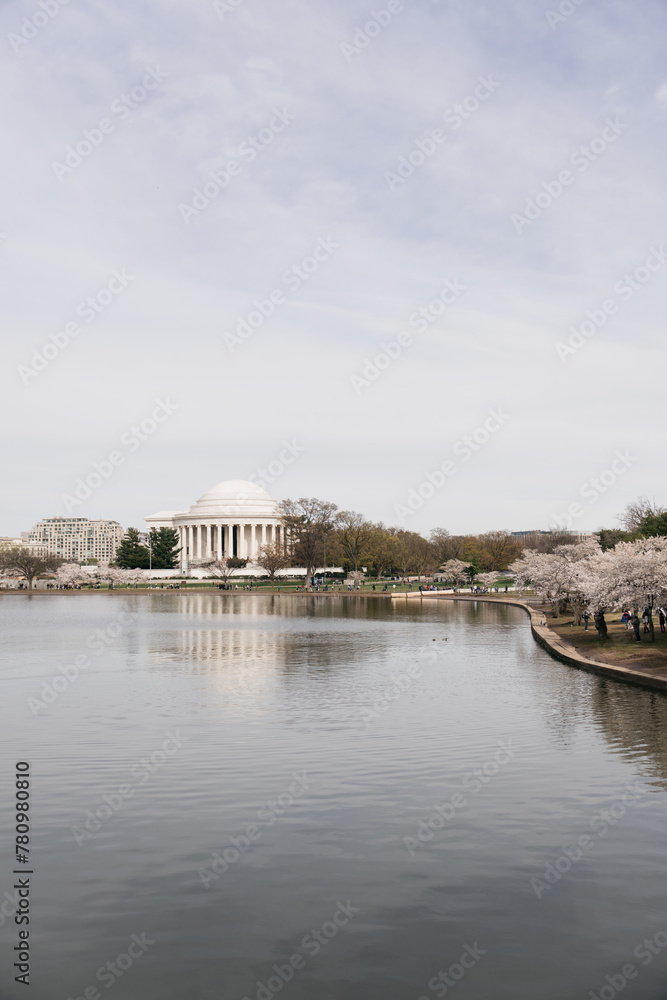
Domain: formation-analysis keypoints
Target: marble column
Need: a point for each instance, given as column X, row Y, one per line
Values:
column 264, row 526
column 219, row 542
column 253, row 541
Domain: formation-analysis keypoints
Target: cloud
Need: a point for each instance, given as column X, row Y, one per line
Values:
column 324, row 176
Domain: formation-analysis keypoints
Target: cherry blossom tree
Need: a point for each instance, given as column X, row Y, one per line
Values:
column 69, row 574
column 119, row 577
column 455, row 570
column 558, row 576
column 632, row 575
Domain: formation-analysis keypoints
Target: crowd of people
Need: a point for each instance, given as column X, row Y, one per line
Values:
column 631, row 620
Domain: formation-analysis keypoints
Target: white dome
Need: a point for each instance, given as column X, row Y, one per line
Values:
column 235, row 498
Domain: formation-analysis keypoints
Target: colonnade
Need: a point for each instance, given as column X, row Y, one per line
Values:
column 205, row 542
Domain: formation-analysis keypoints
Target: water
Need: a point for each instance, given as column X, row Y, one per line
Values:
column 284, row 718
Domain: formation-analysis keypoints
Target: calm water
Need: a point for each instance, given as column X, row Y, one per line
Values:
column 331, row 729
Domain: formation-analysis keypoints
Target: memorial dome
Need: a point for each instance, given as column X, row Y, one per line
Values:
column 235, row 498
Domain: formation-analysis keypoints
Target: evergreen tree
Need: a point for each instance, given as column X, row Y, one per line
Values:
column 653, row 525
column 165, row 548
column 131, row 554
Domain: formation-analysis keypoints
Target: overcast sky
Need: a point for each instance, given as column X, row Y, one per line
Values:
column 311, row 114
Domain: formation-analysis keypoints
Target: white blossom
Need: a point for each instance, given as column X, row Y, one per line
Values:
column 69, row 574
column 455, row 570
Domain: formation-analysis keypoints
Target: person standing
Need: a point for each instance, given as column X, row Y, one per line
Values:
column 634, row 621
column 600, row 624
column 625, row 617
column 646, row 618
column 586, row 617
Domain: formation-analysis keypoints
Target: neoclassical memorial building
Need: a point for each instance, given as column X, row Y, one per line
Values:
column 235, row 518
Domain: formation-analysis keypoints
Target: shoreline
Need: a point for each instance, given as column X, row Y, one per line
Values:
column 205, row 590
column 653, row 678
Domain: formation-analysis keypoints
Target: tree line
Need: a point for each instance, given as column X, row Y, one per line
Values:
column 318, row 534
column 618, row 568
column 321, row 535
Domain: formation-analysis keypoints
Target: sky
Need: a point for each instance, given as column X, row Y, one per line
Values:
column 405, row 257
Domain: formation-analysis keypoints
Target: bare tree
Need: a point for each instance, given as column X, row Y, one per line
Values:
column 272, row 558
column 23, row 561
column 308, row 522
column 6, row 552
column 446, row 546
column 223, row 569
column 382, row 548
column 421, row 555
column 354, row 534
column 403, row 551
column 547, row 541
column 637, row 510
column 413, row 553
column 497, row 549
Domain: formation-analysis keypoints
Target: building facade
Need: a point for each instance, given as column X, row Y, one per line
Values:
column 78, row 538
column 234, row 518
column 10, row 541
column 579, row 536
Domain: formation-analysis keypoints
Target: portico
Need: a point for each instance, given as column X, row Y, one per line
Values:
column 234, row 518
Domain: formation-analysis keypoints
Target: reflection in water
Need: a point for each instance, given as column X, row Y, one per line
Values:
column 270, row 630
column 260, row 688
column 634, row 723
